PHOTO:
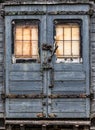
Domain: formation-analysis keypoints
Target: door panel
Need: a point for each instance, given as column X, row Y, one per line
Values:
column 24, row 81
column 65, row 108
column 24, row 108
column 70, row 80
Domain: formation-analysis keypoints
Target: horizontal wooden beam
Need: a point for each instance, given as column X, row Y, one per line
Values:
column 47, row 122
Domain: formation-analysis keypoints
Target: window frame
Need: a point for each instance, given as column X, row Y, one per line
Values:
column 69, row 21
column 26, row 22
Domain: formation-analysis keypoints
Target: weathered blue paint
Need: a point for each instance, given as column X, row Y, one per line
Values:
column 28, row 76
column 71, row 74
column 31, row 78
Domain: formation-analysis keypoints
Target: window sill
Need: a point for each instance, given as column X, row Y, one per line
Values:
column 76, row 60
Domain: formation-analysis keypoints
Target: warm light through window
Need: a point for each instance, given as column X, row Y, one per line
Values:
column 26, row 41
column 68, row 40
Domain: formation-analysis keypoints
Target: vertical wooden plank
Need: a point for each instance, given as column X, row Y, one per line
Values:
column 88, row 107
column 8, row 41
column 49, row 90
column 7, row 107
column 45, row 92
column 86, row 49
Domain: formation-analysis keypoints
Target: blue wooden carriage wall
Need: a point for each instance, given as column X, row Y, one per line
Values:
column 35, row 78
column 47, row 89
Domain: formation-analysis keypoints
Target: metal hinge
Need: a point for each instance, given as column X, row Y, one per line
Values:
column 71, row 96
column 22, row 96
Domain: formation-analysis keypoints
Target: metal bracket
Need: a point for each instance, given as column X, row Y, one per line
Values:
column 52, row 115
column 41, row 115
column 47, row 47
column 2, row 13
column 46, row 66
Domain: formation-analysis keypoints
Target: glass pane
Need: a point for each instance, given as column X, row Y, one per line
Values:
column 18, row 48
column 67, row 48
column 75, row 34
column 26, row 49
column 76, row 48
column 59, row 51
column 67, row 33
column 59, row 33
column 18, row 33
column 26, row 34
column 34, row 49
column 34, row 33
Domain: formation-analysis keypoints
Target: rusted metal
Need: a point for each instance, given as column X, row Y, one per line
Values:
column 23, row 96
column 53, row 52
column 51, row 86
column 52, row 115
column 48, row 122
column 46, row 66
column 33, row 96
column 44, row 103
column 2, row 13
column 71, row 96
column 41, row 115
column 47, row 47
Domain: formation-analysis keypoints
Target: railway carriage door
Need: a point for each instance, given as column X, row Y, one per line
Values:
column 47, row 61
column 25, row 92
column 68, row 77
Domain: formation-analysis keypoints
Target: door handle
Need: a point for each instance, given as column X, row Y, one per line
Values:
column 53, row 52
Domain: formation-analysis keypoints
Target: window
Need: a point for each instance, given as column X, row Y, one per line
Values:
column 25, row 46
column 68, row 40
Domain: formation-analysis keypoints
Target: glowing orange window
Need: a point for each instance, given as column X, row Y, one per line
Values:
column 68, row 40
column 26, row 41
